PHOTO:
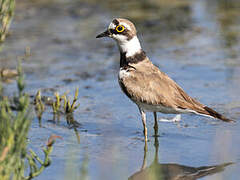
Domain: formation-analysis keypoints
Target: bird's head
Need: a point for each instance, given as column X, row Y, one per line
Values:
column 120, row 29
column 125, row 33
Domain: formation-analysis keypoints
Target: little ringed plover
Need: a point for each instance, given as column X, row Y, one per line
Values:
column 143, row 82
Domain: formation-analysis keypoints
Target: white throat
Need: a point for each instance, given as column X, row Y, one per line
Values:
column 131, row 47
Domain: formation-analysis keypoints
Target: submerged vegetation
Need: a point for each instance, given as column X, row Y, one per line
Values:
column 60, row 105
column 67, row 109
column 68, row 106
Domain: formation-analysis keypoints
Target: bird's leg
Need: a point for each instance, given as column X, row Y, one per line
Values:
column 143, row 115
column 156, row 144
column 155, row 124
column 144, row 164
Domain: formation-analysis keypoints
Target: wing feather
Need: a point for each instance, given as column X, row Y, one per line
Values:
column 154, row 87
column 147, row 84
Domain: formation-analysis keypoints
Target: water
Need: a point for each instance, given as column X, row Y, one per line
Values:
column 195, row 42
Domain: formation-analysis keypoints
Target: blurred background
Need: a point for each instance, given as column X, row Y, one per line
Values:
column 196, row 42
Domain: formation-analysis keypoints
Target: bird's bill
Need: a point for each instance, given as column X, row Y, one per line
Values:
column 104, row 34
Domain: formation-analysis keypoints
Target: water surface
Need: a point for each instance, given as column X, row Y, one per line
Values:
column 195, row 42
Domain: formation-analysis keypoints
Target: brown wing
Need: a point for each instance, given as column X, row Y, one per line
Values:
column 147, row 84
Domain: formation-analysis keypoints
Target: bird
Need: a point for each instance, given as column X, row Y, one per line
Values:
column 173, row 171
column 149, row 88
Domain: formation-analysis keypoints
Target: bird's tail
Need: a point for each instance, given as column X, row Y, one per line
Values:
column 211, row 112
column 207, row 170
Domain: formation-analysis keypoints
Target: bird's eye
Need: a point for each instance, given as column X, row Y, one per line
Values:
column 120, row 28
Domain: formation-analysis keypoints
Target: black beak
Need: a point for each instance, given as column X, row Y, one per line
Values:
column 104, row 34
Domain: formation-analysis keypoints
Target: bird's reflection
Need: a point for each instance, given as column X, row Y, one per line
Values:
column 170, row 171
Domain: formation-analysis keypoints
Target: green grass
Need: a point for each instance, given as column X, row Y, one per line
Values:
column 14, row 128
column 6, row 14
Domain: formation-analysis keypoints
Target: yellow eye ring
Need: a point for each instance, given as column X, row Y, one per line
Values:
column 120, row 28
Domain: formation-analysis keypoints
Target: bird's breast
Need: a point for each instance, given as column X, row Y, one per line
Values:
column 123, row 73
column 123, row 77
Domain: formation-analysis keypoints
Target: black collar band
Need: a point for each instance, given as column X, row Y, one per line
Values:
column 138, row 57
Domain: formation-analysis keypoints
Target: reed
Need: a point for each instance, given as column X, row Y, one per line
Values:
column 14, row 128
column 6, row 14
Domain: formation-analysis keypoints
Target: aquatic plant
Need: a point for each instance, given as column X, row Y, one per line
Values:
column 14, row 127
column 68, row 106
column 1, row 90
column 6, row 13
column 33, row 159
column 67, row 109
column 20, row 79
column 56, row 104
column 39, row 106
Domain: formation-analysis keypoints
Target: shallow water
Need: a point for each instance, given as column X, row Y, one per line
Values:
column 194, row 42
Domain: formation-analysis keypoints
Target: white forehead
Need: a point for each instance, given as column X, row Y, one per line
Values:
column 113, row 26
